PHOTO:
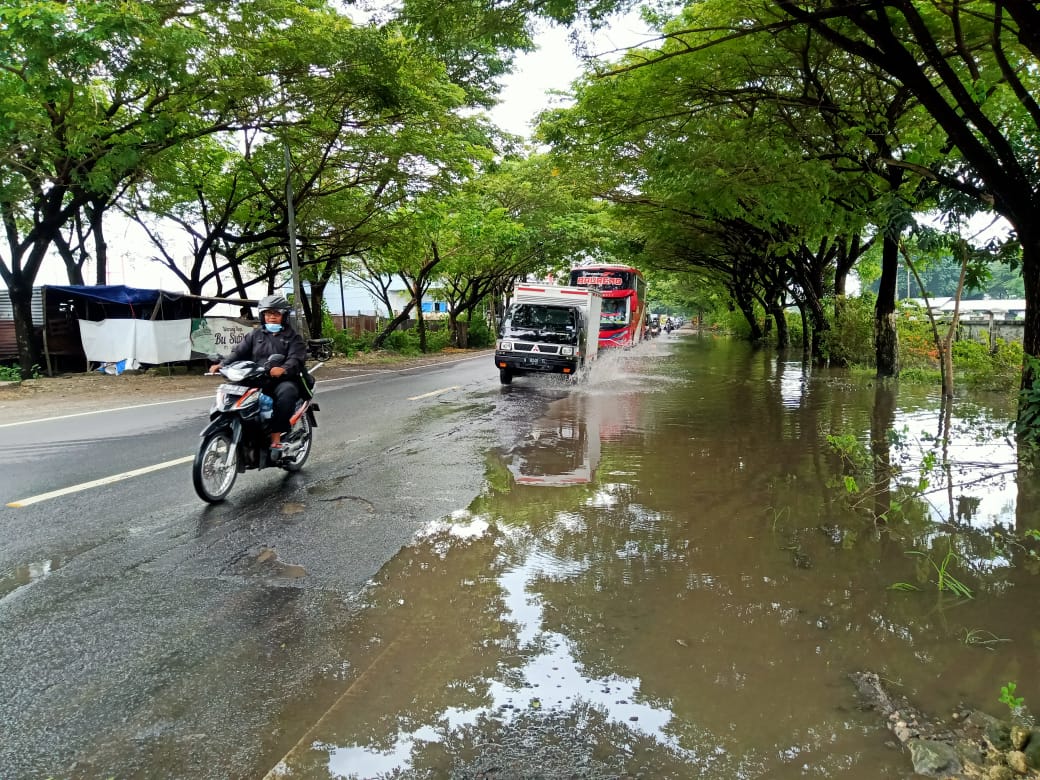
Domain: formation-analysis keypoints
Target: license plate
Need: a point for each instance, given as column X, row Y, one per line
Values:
column 235, row 389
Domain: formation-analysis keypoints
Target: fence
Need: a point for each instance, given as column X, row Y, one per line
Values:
column 989, row 329
column 356, row 323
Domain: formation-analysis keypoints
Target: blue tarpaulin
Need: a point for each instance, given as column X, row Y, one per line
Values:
column 116, row 293
column 108, row 301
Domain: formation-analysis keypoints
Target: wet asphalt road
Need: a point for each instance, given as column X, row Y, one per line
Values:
column 146, row 634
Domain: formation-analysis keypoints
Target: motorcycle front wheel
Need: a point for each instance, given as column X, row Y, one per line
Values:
column 302, row 435
column 323, row 352
column 214, row 471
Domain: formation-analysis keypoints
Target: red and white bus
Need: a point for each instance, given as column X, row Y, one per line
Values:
column 622, row 319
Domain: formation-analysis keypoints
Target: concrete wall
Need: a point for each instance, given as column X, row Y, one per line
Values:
column 989, row 330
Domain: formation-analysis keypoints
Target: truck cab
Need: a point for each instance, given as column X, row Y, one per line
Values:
column 545, row 330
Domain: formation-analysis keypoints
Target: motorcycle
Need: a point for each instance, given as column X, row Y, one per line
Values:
column 238, row 437
column 320, row 349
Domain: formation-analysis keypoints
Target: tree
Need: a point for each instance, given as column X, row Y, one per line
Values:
column 750, row 75
column 518, row 217
column 91, row 93
column 971, row 65
column 367, row 122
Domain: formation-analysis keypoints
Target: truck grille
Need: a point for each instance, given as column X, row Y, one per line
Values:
column 544, row 349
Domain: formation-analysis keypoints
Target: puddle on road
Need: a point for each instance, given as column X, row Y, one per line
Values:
column 26, row 574
column 667, row 576
column 265, row 563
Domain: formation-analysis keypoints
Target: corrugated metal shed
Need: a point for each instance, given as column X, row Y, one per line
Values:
column 7, row 311
column 8, row 342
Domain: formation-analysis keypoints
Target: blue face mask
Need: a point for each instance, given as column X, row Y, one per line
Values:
column 272, row 327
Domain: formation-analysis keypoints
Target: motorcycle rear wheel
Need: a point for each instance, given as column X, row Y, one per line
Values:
column 213, row 473
column 323, row 352
column 302, row 433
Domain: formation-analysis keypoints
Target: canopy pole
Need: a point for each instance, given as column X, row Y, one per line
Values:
column 46, row 327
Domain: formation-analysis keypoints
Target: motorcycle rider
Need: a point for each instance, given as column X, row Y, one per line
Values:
column 275, row 336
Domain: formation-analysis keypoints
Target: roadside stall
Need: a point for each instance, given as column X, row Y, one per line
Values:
column 114, row 328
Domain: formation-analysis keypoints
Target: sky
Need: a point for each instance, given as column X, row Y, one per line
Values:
column 554, row 66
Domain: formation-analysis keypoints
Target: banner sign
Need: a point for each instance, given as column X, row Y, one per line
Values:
column 217, row 335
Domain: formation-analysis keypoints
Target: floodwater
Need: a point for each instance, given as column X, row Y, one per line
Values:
column 672, row 573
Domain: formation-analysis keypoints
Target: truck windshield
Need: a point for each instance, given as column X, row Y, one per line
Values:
column 542, row 319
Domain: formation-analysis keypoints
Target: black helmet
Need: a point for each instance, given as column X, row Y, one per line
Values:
column 274, row 302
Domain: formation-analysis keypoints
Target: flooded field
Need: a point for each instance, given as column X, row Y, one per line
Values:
column 672, row 572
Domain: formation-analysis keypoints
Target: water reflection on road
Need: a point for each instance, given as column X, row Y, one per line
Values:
column 670, row 574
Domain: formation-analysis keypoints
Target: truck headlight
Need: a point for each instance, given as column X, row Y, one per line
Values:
column 505, row 346
column 566, row 350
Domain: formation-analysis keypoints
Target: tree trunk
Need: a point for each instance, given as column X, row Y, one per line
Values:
column 820, row 326
column 316, row 313
column 806, row 332
column 73, row 268
column 748, row 310
column 453, row 328
column 886, row 340
column 391, row 326
column 1028, row 427
column 420, row 324
column 783, row 335
column 21, row 293
column 96, row 215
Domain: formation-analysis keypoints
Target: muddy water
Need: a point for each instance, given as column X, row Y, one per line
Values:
column 671, row 573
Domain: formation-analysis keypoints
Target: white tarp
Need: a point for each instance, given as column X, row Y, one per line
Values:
column 136, row 341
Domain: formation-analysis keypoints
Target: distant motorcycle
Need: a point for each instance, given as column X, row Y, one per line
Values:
column 320, row 349
column 238, row 436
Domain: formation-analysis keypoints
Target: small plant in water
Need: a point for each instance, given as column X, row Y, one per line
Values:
column 946, row 581
column 853, row 453
column 902, row 586
column 778, row 514
column 1007, row 696
column 978, row 637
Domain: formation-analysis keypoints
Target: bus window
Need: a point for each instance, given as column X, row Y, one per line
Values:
column 615, row 311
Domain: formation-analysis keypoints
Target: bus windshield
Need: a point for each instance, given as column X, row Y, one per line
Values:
column 614, row 311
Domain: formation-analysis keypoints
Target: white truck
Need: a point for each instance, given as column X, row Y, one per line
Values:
column 548, row 329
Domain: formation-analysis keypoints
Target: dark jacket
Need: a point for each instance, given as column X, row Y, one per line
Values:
column 260, row 345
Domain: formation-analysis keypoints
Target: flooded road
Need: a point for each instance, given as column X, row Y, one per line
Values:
column 671, row 573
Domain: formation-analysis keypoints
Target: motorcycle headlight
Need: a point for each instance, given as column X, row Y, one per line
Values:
column 567, row 351
column 231, row 395
column 236, row 373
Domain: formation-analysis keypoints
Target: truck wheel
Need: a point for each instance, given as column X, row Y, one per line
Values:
column 505, row 376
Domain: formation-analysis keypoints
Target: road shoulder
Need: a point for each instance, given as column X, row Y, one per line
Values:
column 47, row 397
